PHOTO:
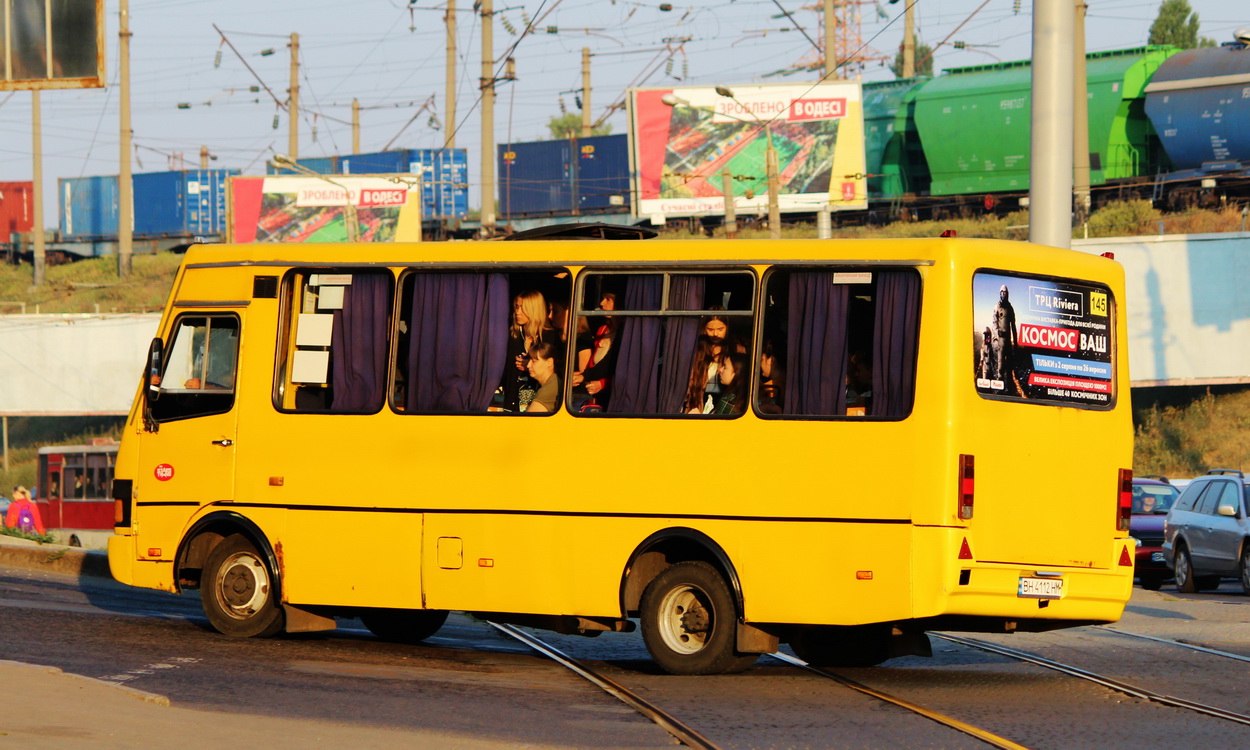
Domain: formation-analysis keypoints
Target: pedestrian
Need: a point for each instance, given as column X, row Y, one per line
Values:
column 23, row 514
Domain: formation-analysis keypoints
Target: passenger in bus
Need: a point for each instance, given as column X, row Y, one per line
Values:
column 529, row 327
column 858, row 384
column 595, row 377
column 772, row 381
column 542, row 368
column 713, row 344
column 733, row 374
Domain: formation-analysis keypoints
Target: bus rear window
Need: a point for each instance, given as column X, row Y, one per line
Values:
column 1041, row 339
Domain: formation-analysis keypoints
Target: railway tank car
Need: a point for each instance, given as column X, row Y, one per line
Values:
column 1199, row 104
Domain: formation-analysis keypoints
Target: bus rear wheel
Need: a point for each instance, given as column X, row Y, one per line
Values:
column 403, row 625
column 689, row 623
column 849, row 646
column 237, row 591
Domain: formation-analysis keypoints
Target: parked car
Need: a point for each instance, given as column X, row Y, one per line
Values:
column 1207, row 533
column 1153, row 497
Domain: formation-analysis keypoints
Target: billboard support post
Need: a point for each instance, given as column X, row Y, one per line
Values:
column 731, row 218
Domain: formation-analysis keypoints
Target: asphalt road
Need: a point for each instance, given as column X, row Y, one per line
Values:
column 469, row 681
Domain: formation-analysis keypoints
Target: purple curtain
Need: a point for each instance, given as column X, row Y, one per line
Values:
column 359, row 344
column 817, row 345
column 894, row 349
column 681, row 335
column 635, row 381
column 459, row 334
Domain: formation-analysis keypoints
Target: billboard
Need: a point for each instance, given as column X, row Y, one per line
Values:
column 681, row 148
column 51, row 44
column 294, row 208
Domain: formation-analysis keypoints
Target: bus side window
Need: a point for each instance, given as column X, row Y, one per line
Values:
column 840, row 343
column 198, row 374
column 334, row 352
column 640, row 352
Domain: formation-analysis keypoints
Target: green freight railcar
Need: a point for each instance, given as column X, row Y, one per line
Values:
column 894, row 158
column 974, row 123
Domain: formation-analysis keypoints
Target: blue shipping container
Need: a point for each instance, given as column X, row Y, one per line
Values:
column 318, row 164
column 602, row 180
column 535, row 178
column 185, row 203
column 382, row 162
column 444, row 181
column 88, row 207
column 564, row 177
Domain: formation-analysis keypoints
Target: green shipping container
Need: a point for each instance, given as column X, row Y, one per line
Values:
column 974, row 122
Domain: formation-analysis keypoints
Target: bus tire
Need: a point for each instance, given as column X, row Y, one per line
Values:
column 238, row 591
column 1183, row 567
column 689, row 623
column 403, row 625
column 842, row 646
column 1243, row 570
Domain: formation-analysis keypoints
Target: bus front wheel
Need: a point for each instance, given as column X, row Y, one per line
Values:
column 237, row 590
column 689, row 622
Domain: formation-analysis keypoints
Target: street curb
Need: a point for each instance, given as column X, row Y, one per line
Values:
column 54, row 558
column 143, row 695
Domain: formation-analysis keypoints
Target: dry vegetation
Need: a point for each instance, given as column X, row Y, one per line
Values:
column 90, row 286
column 1212, row 432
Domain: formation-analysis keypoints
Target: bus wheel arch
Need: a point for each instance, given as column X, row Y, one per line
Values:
column 669, row 547
column 206, row 534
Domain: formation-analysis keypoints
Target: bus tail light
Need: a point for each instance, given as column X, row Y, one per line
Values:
column 966, row 477
column 1124, row 506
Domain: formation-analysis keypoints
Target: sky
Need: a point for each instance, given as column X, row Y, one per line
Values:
column 390, row 55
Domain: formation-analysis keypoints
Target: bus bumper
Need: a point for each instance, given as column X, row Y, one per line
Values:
column 1089, row 595
column 127, row 568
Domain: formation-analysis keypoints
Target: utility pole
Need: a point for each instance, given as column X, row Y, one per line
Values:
column 36, row 200
column 355, row 126
column 909, row 40
column 203, row 157
column 125, row 185
column 731, row 218
column 1050, row 149
column 293, row 102
column 831, row 43
column 1080, row 118
column 488, row 119
column 449, row 107
column 586, row 92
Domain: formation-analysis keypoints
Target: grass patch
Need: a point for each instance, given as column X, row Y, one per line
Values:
column 90, row 286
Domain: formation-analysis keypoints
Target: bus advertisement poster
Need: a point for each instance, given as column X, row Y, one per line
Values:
column 684, row 138
column 1042, row 339
column 294, row 208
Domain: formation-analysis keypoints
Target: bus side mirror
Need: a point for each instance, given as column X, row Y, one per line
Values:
column 152, row 371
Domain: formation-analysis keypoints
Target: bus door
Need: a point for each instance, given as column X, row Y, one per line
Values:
column 186, row 450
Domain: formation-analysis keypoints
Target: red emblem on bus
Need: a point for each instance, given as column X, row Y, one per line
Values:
column 164, row 472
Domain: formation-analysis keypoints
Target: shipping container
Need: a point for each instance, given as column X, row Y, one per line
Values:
column 975, row 122
column 381, row 162
column 564, row 177
column 16, row 209
column 445, row 175
column 602, row 178
column 1199, row 104
column 186, row 203
column 88, row 207
column 318, row 164
column 444, row 181
column 535, row 179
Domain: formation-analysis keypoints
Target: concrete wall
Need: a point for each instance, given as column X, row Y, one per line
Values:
column 72, row 364
column 1188, row 306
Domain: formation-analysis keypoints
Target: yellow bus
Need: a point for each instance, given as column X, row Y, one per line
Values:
column 839, row 445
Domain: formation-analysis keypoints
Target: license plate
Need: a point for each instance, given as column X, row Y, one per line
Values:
column 1040, row 588
column 1157, row 557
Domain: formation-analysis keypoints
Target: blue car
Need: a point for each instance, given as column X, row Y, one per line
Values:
column 1153, row 497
